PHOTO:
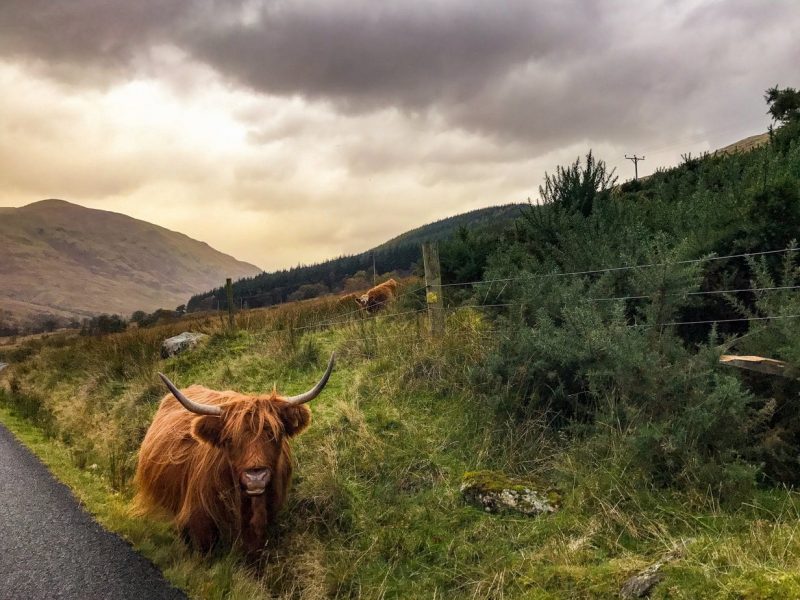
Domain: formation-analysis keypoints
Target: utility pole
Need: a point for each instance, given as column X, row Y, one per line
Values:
column 635, row 160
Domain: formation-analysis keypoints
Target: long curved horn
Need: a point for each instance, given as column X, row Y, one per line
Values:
column 195, row 407
column 314, row 392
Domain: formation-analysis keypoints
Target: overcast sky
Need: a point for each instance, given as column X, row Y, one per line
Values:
column 288, row 132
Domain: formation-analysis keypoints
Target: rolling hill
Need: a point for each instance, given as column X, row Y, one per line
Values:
column 493, row 216
column 748, row 143
column 399, row 254
column 71, row 261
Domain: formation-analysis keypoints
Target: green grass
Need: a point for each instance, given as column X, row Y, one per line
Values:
column 375, row 510
column 155, row 540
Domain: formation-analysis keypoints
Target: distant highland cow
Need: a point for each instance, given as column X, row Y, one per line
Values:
column 378, row 297
column 346, row 300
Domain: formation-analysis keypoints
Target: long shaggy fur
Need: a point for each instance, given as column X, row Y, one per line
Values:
column 379, row 296
column 197, row 481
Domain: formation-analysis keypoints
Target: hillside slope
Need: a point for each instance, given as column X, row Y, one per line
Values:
column 68, row 260
column 482, row 217
column 748, row 143
column 399, row 254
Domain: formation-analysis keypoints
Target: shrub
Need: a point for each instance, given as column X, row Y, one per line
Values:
column 588, row 351
column 578, row 187
column 103, row 324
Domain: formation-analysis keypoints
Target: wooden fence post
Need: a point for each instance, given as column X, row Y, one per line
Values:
column 229, row 294
column 433, row 287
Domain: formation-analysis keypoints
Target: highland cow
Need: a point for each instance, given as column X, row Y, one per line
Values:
column 378, row 297
column 220, row 462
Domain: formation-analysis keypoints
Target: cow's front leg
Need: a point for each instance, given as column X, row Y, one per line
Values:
column 202, row 532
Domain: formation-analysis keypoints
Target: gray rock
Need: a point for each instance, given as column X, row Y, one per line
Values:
column 181, row 343
column 496, row 492
column 3, row 366
column 641, row 584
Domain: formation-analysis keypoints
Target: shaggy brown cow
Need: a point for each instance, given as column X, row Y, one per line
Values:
column 378, row 297
column 220, row 463
column 346, row 300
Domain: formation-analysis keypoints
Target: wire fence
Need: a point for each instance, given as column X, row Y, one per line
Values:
column 620, row 268
column 360, row 316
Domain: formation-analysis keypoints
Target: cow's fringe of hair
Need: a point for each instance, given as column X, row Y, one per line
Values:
column 186, row 477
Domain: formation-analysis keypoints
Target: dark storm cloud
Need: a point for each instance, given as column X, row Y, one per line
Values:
column 363, row 54
column 84, row 40
column 658, row 73
column 547, row 73
column 374, row 54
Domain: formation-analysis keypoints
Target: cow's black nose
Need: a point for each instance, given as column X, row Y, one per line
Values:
column 255, row 481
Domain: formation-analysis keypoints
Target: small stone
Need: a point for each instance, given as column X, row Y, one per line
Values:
column 641, row 584
column 496, row 492
column 181, row 343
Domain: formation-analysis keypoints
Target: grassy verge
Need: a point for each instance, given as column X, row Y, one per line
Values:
column 375, row 510
column 221, row 578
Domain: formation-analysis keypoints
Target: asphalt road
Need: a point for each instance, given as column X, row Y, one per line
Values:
column 51, row 548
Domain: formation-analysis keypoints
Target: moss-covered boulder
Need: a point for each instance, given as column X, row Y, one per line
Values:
column 496, row 492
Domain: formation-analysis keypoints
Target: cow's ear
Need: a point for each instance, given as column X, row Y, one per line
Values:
column 295, row 419
column 208, row 429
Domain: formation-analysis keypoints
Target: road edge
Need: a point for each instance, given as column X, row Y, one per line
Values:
column 108, row 508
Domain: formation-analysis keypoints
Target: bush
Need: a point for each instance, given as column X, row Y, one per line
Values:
column 307, row 291
column 103, row 324
column 594, row 351
column 576, row 188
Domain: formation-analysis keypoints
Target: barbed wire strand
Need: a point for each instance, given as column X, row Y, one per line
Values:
column 622, row 268
column 337, row 319
column 340, row 318
column 487, row 332
column 646, row 296
column 510, row 304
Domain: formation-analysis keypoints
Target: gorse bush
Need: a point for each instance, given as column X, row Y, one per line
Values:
column 636, row 347
column 586, row 363
column 577, row 188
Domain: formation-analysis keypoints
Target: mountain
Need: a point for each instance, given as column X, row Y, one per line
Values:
column 72, row 261
column 492, row 216
column 400, row 254
column 746, row 144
